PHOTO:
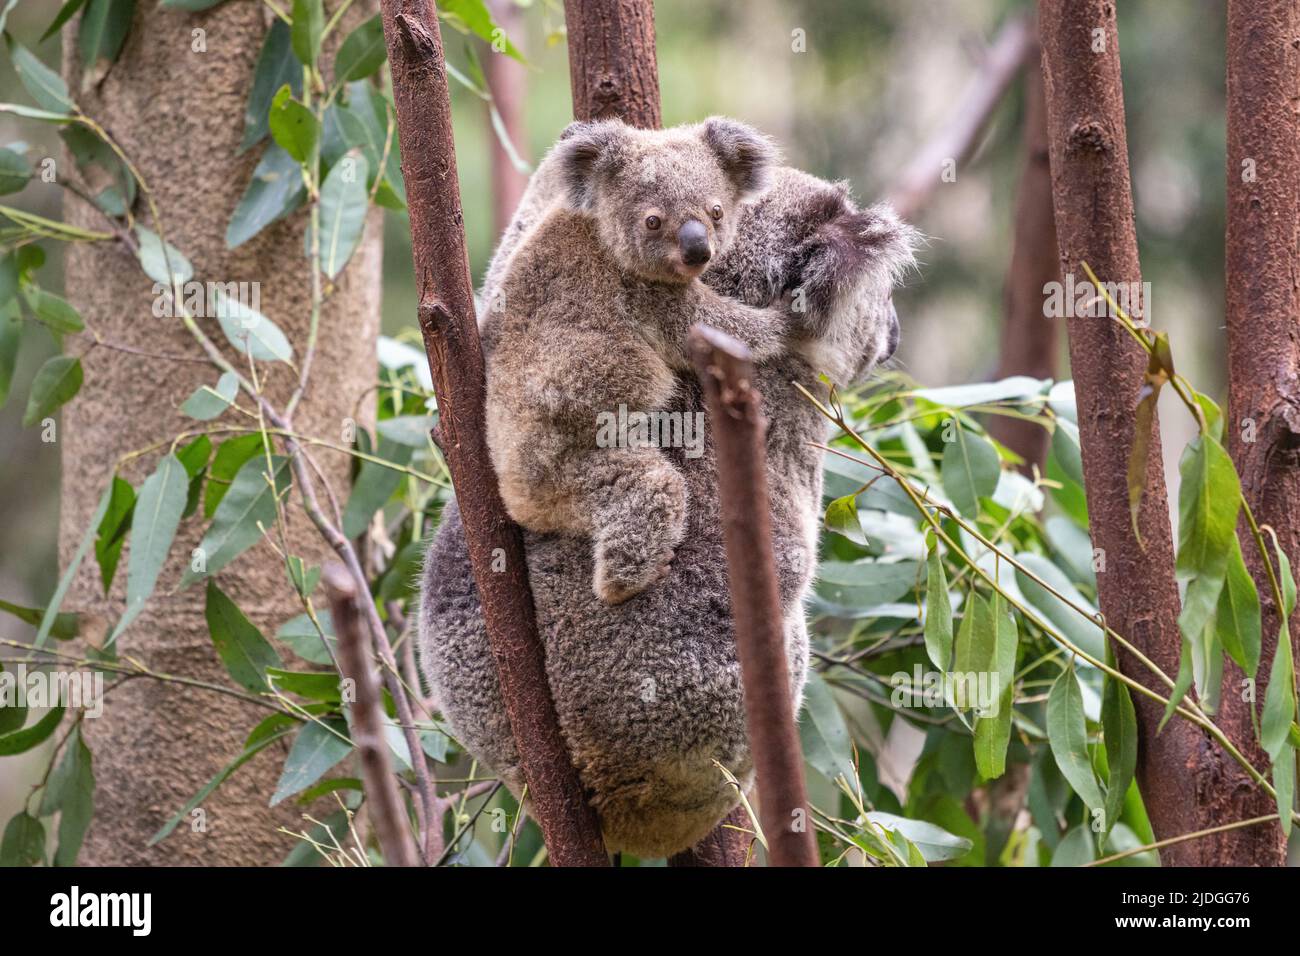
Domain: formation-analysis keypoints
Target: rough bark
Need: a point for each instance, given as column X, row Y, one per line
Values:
column 507, row 81
column 612, row 66
column 724, row 846
column 1094, row 223
column 179, row 114
column 1029, row 340
column 447, row 322
column 736, row 416
column 1263, row 360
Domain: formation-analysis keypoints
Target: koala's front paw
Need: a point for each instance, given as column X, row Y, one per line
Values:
column 622, row 574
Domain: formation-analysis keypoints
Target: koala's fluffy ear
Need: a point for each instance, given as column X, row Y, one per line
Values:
column 746, row 155
column 585, row 152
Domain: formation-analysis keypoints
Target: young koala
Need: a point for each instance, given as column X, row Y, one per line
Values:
column 592, row 313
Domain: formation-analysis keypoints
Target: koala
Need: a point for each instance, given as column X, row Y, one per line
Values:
column 648, row 692
column 598, row 297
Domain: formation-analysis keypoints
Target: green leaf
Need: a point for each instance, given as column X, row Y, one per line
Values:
column 1237, row 621
column 308, row 25
column 157, row 515
column 276, row 66
column 1075, row 848
column 276, row 189
column 1284, row 784
column 1119, row 728
column 246, row 511
column 476, row 17
column 412, row 430
column 156, row 258
column 1182, row 683
column 938, row 612
column 54, row 312
column 65, row 627
column 111, row 535
column 305, row 641
column 993, row 730
column 11, row 335
column 343, row 204
column 208, row 402
column 241, row 646
column 15, row 172
column 250, row 751
column 934, row 842
column 250, row 331
column 21, row 741
column 1279, row 699
column 823, row 733
column 71, row 793
column 100, row 35
column 44, row 85
column 65, row 14
column 316, row 751
column 23, row 843
column 969, row 470
column 231, row 455
column 865, row 583
column 1065, row 446
column 194, row 6
column 841, row 517
column 1067, row 734
column 55, row 383
column 302, row 576
column 1083, row 632
column 65, row 582
column 375, row 484
column 362, row 53
column 314, row 685
column 293, row 126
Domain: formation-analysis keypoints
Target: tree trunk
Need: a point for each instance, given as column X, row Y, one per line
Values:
column 1263, row 421
column 1029, row 339
column 1094, row 224
column 179, row 114
column 507, row 80
column 496, row 547
column 612, row 66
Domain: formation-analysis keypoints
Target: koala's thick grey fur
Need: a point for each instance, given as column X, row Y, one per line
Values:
column 648, row 692
column 595, row 304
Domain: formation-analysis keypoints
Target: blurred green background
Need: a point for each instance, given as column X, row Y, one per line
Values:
column 877, row 79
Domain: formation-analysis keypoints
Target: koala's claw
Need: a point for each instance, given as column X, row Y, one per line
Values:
column 613, row 588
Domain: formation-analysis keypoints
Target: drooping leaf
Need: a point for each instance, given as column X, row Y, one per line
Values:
column 993, row 730
column 55, row 383
column 111, row 535
column 1084, row 632
column 161, row 261
column 157, row 515
column 66, row 13
column 293, row 126
column 65, row 582
column 938, row 612
column 66, row 625
column 1237, row 621
column 841, row 518
column 969, row 470
column 343, row 204
column 308, row 25
column 823, row 734
column 1065, row 445
column 1284, row 785
column 276, row 189
column 15, row 173
column 246, row 512
column 412, row 430
column 1067, row 734
column 935, row 843
column 305, row 640
column 1279, row 699
column 44, row 85
column 1075, row 848
column 375, row 484
column 1182, row 683
column 100, row 35
column 1209, row 501
column 316, row 751
column 865, row 583
column 71, row 793
column 55, row 313
column 475, row 16
column 23, row 843
column 208, row 401
column 240, row 645
column 230, row 457
column 250, row 331
column 276, row 66
column 21, row 741
column 1119, row 729
column 11, row 334
column 362, row 53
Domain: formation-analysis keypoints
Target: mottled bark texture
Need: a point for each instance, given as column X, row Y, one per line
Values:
column 179, row 114
column 1094, row 224
column 1263, row 361
column 727, row 845
column 612, row 66
column 1029, row 339
column 739, row 431
column 446, row 315
column 507, row 80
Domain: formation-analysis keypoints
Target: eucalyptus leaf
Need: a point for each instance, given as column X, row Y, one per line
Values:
column 208, row 402
column 240, row 645
column 938, row 612
column 317, row 750
column 276, row 66
column 824, row 736
column 56, row 382
column 44, row 85
column 308, row 26
column 247, row 511
column 157, row 515
column 293, row 126
column 15, row 172
column 251, row 332
column 969, row 470
column 53, row 312
column 362, row 53
column 1068, row 737
column 276, row 190
column 23, row 843
column 344, row 201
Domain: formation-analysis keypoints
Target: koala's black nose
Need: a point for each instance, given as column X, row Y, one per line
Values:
column 693, row 239
column 891, row 343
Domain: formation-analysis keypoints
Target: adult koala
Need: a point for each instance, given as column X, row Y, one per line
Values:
column 648, row 692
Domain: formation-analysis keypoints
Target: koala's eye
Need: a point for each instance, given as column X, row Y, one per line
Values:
column 716, row 212
column 653, row 222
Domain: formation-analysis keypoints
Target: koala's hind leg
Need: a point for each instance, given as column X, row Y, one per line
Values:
column 635, row 500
